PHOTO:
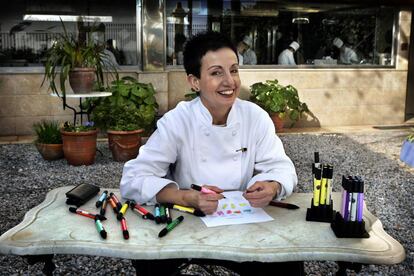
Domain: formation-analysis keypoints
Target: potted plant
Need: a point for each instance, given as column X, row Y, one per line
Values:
column 82, row 61
column 49, row 140
column 125, row 115
column 279, row 101
column 79, row 143
column 407, row 150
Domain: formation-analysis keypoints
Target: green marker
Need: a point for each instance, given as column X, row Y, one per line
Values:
column 170, row 226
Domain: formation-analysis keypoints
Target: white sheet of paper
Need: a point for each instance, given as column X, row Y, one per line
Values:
column 235, row 209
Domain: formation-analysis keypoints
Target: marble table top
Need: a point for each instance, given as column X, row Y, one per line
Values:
column 50, row 228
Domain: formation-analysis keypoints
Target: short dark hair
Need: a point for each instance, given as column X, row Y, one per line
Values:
column 199, row 45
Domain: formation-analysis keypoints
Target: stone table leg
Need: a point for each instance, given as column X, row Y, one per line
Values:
column 48, row 267
column 343, row 266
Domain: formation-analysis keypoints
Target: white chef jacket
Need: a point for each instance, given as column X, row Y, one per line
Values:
column 286, row 58
column 190, row 149
column 249, row 57
column 348, row 56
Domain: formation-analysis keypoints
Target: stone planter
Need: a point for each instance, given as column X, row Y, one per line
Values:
column 79, row 147
column 50, row 152
column 407, row 153
column 124, row 145
column 81, row 80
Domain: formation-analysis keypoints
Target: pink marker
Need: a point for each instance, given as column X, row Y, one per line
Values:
column 202, row 189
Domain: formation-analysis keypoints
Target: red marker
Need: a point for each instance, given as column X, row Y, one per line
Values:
column 86, row 213
column 142, row 211
column 203, row 189
column 124, row 228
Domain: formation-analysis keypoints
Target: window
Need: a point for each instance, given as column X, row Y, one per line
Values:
column 28, row 28
column 362, row 35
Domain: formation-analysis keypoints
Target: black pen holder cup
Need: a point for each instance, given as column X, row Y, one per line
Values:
column 348, row 229
column 321, row 213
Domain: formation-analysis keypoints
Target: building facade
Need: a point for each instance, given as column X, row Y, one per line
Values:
column 147, row 38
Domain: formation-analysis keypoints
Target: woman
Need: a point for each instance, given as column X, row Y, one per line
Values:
column 216, row 140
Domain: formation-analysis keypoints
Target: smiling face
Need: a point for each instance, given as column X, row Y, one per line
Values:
column 219, row 82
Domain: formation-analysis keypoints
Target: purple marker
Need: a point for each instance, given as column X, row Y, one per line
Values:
column 360, row 191
column 345, row 198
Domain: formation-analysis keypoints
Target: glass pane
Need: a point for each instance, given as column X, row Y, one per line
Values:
column 28, row 28
column 264, row 29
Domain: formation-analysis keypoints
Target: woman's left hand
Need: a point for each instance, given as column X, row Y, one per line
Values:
column 261, row 193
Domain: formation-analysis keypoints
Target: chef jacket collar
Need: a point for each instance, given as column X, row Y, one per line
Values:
column 207, row 119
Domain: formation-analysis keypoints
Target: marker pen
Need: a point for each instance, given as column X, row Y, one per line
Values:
column 322, row 199
column 116, row 200
column 329, row 184
column 203, row 189
column 101, row 199
column 124, row 228
column 283, row 205
column 123, row 210
column 170, row 226
column 113, row 204
column 316, row 163
column 168, row 214
column 316, row 186
column 157, row 213
column 142, row 211
column 353, row 198
column 103, row 207
column 346, row 187
column 184, row 209
column 100, row 228
column 163, row 217
column 85, row 213
column 360, row 200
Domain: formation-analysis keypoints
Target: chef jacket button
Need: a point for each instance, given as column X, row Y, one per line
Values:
column 203, row 159
column 235, row 158
column 234, row 133
column 207, row 133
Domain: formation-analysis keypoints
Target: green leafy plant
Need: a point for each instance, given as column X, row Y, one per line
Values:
column 86, row 126
column 410, row 137
column 131, row 106
column 276, row 98
column 48, row 132
column 69, row 52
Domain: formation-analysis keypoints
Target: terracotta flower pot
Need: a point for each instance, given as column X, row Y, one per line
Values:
column 79, row 147
column 277, row 121
column 124, row 144
column 81, row 80
column 50, row 152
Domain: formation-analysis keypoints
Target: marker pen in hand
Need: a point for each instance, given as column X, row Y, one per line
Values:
column 203, row 189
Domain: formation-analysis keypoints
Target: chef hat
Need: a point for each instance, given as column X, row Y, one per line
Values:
column 247, row 40
column 294, row 45
column 338, row 42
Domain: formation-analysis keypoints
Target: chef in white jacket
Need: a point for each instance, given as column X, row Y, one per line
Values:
column 216, row 140
column 286, row 56
column 346, row 54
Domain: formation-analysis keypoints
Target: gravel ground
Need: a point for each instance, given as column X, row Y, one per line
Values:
column 25, row 178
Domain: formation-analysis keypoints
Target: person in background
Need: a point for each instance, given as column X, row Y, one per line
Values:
column 249, row 56
column 216, row 140
column 286, row 56
column 346, row 54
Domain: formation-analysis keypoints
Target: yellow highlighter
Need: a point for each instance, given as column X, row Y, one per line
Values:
column 324, row 185
column 317, row 186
